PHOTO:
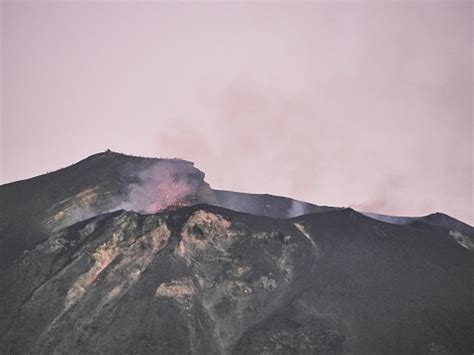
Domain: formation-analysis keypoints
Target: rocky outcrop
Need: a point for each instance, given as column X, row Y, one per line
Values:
column 203, row 279
column 116, row 282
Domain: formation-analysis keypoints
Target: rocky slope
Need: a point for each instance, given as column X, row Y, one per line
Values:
column 107, row 182
column 166, row 273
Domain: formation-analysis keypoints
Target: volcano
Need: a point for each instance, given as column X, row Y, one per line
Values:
column 121, row 254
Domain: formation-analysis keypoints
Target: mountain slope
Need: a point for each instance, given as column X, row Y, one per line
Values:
column 266, row 205
column 204, row 279
column 99, row 184
column 109, row 181
column 120, row 254
column 439, row 220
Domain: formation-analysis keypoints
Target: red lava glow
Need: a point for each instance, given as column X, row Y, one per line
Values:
column 167, row 194
column 162, row 187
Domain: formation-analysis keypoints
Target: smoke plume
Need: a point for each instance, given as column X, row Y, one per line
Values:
column 167, row 183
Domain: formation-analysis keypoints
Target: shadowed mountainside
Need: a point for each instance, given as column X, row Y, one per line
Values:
column 203, row 279
column 439, row 220
column 120, row 254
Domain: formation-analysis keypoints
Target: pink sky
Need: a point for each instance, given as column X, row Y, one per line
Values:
column 359, row 104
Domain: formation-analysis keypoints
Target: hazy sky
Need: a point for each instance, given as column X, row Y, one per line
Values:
column 363, row 104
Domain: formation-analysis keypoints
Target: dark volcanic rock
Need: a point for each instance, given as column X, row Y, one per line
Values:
column 189, row 280
column 177, row 276
column 208, row 280
column 434, row 221
column 266, row 205
column 105, row 182
column 102, row 183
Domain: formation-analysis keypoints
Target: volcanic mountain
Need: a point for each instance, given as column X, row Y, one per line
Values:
column 120, row 254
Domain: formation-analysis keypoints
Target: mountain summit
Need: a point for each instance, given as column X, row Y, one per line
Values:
column 120, row 254
column 110, row 181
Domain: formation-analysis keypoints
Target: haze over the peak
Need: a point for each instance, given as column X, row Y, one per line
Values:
column 360, row 104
